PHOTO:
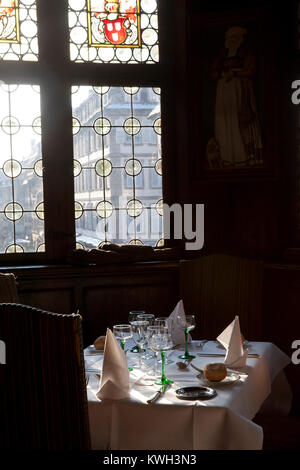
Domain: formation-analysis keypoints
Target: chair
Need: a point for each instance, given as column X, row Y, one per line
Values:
column 44, row 400
column 217, row 287
column 8, row 288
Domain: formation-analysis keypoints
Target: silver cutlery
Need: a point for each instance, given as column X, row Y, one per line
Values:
column 159, row 393
column 201, row 343
column 196, row 368
column 223, row 355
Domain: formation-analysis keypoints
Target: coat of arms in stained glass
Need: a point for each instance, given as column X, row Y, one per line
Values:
column 114, row 23
column 9, row 21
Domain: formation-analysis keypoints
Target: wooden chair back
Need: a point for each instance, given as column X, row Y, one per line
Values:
column 8, row 288
column 44, row 399
column 217, row 287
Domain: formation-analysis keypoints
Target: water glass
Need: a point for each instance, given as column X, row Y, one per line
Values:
column 133, row 314
column 161, row 322
column 147, row 317
column 139, row 334
column 150, row 332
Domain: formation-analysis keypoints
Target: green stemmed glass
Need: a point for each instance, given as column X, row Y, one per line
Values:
column 163, row 323
column 162, row 342
column 122, row 333
column 186, row 323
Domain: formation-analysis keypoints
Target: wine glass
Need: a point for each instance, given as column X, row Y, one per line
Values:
column 149, row 317
column 139, row 334
column 123, row 332
column 186, row 323
column 163, row 324
column 150, row 332
column 162, row 342
column 132, row 317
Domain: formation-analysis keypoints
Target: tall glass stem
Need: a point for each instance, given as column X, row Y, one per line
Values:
column 122, row 342
column 155, row 362
column 163, row 377
column 140, row 356
column 186, row 332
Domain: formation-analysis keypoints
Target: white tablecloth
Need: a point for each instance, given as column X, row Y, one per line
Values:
column 173, row 424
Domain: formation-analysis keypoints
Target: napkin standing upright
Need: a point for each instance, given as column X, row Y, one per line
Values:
column 114, row 382
column 178, row 336
column 231, row 339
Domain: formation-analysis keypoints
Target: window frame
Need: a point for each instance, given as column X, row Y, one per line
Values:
column 56, row 74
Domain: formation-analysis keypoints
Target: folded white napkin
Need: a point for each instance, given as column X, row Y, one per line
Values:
column 178, row 336
column 114, row 382
column 231, row 339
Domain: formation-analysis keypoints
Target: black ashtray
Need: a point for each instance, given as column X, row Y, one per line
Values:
column 196, row 393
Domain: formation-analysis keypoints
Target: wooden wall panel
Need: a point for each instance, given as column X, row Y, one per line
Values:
column 106, row 306
column 53, row 300
column 103, row 295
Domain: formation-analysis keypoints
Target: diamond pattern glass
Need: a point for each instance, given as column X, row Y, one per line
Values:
column 117, row 165
column 21, row 171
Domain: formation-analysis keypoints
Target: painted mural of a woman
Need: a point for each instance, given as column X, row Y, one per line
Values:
column 237, row 137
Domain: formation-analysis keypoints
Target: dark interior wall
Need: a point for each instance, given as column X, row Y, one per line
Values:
column 249, row 215
column 256, row 217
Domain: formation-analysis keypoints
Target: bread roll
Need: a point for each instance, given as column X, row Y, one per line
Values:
column 99, row 342
column 215, row 372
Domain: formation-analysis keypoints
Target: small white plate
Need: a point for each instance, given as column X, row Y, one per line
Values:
column 91, row 350
column 229, row 379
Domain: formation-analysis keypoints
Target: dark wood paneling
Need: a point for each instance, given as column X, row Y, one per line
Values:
column 102, row 295
column 54, row 300
column 217, row 288
column 106, row 306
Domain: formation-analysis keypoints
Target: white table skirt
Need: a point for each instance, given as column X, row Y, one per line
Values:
column 172, row 424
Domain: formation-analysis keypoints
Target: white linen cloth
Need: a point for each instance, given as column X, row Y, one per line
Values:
column 178, row 335
column 231, row 339
column 114, row 381
column 221, row 423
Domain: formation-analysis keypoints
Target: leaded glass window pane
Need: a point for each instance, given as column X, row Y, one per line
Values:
column 113, row 31
column 18, row 30
column 115, row 199
column 21, row 170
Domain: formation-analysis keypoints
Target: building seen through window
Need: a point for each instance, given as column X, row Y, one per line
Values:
column 117, row 165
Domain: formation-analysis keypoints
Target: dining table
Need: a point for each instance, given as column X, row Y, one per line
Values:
column 222, row 422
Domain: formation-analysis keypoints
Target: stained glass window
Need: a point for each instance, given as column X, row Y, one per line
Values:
column 114, row 198
column 18, row 30
column 113, row 31
column 21, row 170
